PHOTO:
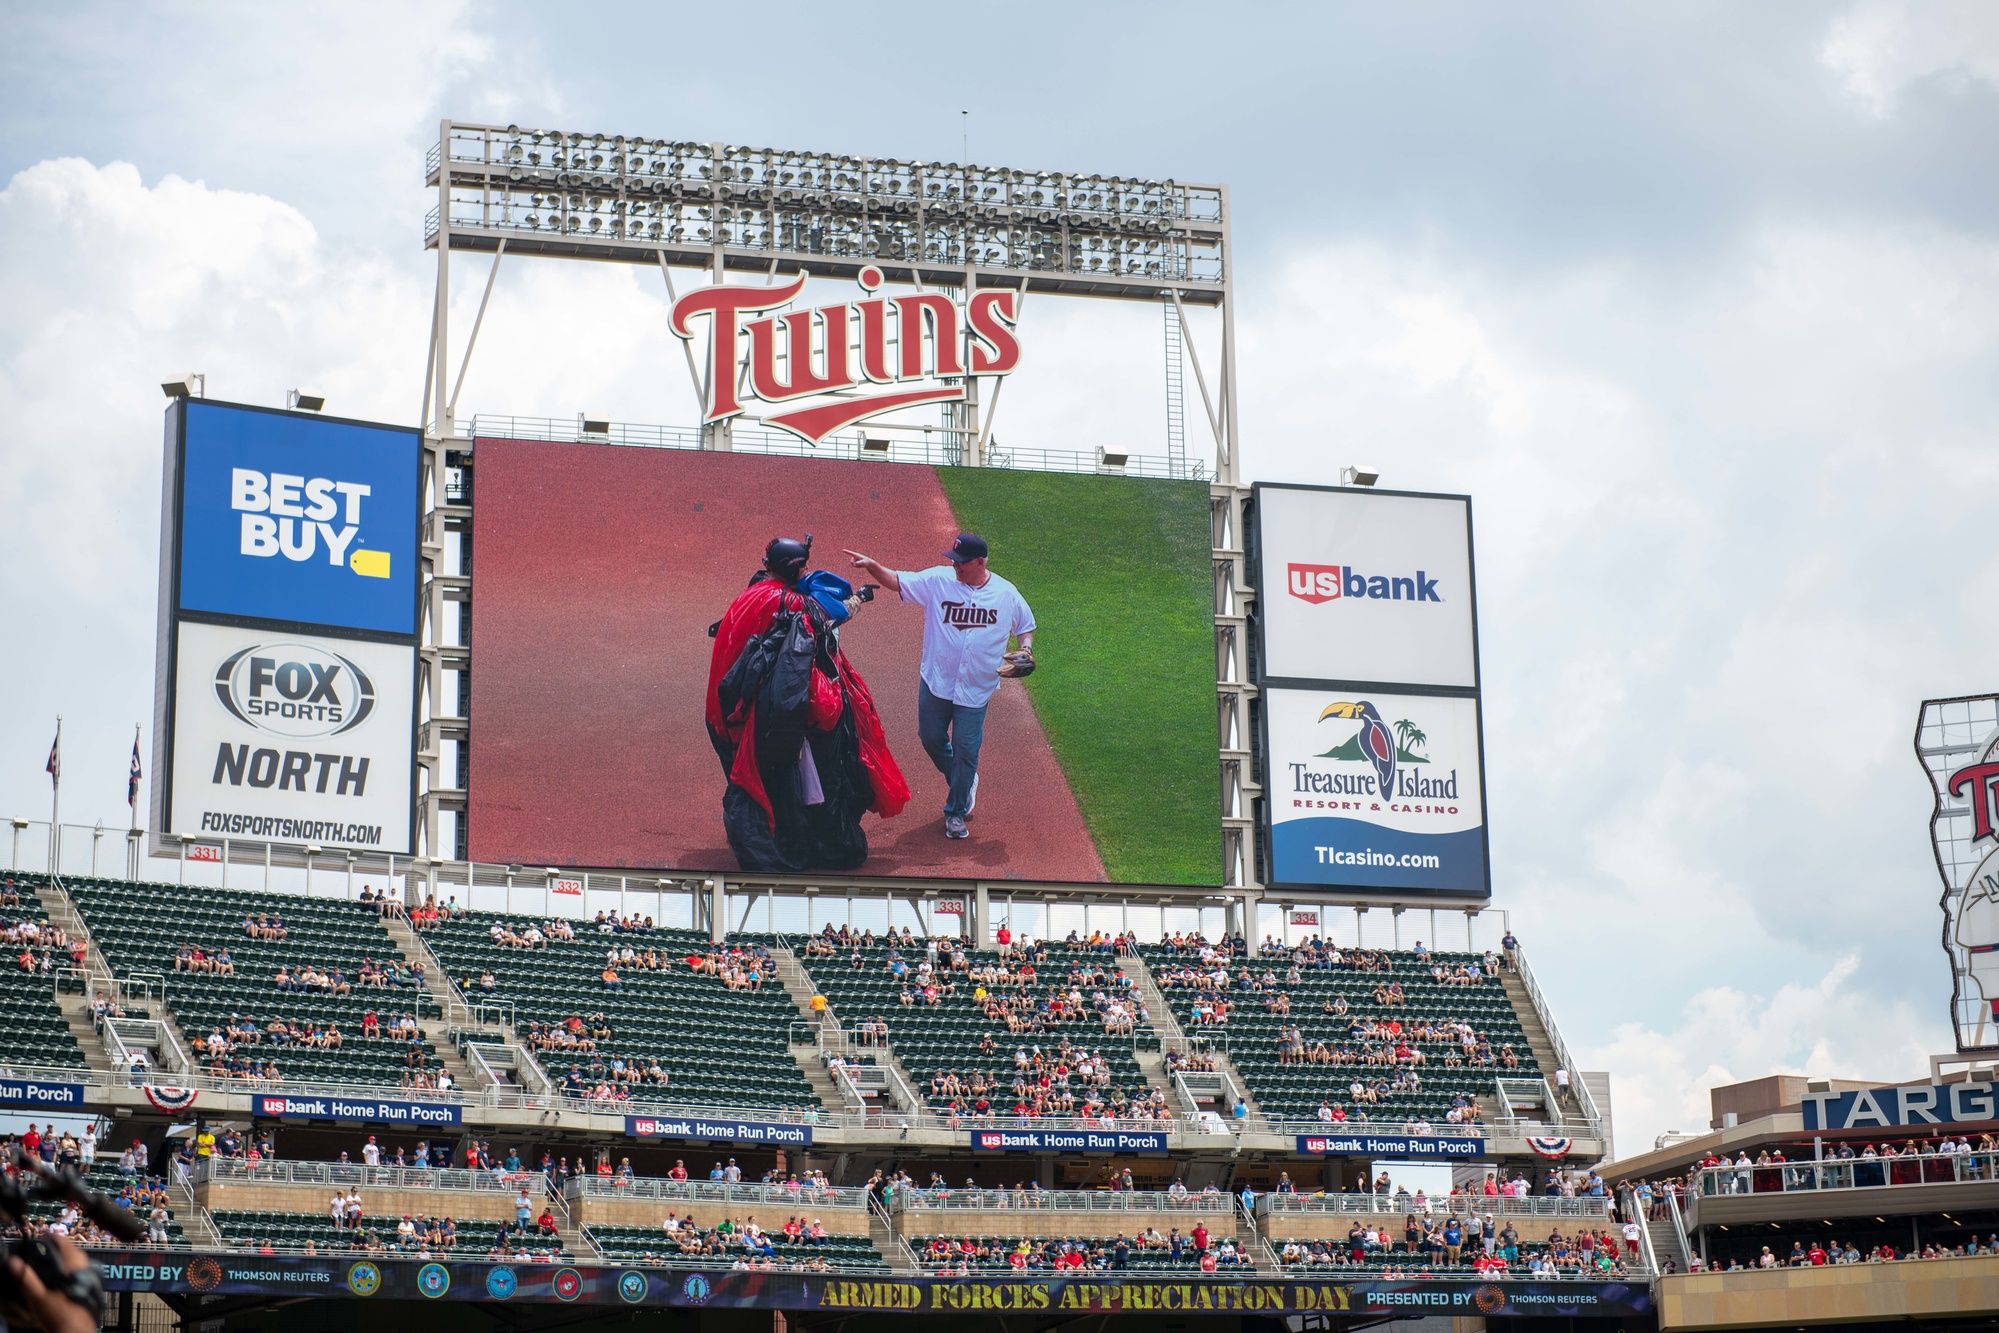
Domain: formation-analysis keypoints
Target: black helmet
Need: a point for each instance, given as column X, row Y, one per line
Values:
column 785, row 557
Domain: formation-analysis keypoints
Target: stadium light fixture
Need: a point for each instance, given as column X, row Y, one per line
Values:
column 700, row 203
column 313, row 849
column 304, row 402
column 187, row 386
column 589, row 427
column 1358, row 476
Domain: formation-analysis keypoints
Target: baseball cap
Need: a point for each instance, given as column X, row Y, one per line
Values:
column 967, row 547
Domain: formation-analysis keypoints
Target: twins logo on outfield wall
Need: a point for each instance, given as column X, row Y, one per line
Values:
column 875, row 345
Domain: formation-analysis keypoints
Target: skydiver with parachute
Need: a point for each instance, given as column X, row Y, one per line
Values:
column 794, row 724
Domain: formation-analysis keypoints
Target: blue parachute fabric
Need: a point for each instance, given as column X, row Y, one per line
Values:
column 830, row 591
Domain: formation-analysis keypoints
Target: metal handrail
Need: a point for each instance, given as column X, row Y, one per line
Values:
column 1843, row 1173
column 1501, row 1205
column 1059, row 1201
column 456, row 1179
column 1562, row 1057
column 1685, row 1246
column 828, row 1198
column 760, row 440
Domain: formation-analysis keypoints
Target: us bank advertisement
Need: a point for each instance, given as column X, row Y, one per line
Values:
column 1375, row 790
column 1365, row 585
column 1373, row 757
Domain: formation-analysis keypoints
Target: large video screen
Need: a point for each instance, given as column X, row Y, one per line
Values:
column 596, row 684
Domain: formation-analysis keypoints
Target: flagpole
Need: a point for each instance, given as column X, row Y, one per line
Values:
column 132, row 799
column 55, row 802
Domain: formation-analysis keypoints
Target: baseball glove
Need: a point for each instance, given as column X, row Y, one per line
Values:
column 1017, row 664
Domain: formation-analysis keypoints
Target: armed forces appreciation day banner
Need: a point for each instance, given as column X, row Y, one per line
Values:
column 1375, row 790
column 343, row 1277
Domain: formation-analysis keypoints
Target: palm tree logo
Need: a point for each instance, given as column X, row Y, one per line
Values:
column 1407, row 737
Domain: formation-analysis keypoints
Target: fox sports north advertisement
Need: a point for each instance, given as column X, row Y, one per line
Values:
column 702, row 661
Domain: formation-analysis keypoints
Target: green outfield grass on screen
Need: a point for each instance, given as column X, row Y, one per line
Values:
column 1118, row 573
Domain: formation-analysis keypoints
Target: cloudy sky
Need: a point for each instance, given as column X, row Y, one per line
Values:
column 1700, row 302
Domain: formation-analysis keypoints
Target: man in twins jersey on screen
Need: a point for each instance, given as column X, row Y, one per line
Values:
column 969, row 614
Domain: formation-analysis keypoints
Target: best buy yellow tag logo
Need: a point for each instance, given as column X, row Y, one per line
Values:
column 369, row 564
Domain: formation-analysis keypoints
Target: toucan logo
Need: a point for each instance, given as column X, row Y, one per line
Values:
column 1326, row 583
column 294, row 689
column 1373, row 744
column 1391, row 750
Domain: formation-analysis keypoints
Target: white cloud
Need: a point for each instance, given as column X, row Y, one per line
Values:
column 1732, row 505
column 1879, row 48
column 1825, row 1028
column 114, row 286
column 1729, row 532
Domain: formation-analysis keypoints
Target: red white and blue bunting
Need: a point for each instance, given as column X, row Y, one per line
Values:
column 1551, row 1148
column 171, row 1100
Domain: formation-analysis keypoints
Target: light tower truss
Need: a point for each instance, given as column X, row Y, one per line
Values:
column 734, row 209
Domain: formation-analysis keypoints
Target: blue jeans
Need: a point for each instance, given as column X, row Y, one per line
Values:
column 951, row 734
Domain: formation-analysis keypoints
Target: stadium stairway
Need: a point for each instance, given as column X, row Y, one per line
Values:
column 799, row 984
column 883, row 1053
column 1538, row 1040
column 1167, row 1024
column 76, row 1014
column 804, row 1046
column 58, row 907
column 1668, row 1243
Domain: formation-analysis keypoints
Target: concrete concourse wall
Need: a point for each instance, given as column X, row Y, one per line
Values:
column 1834, row 1294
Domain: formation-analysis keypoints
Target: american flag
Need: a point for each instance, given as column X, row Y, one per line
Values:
column 54, row 766
column 132, row 783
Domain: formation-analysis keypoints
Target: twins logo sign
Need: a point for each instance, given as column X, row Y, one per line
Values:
column 1376, row 791
column 975, row 338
